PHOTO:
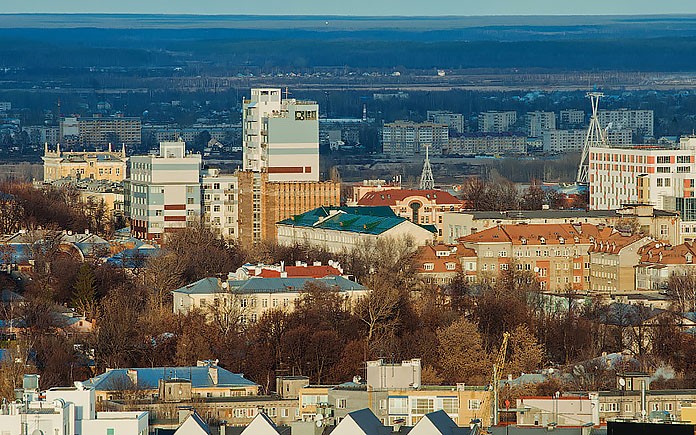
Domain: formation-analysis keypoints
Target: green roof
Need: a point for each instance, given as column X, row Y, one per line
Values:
column 369, row 220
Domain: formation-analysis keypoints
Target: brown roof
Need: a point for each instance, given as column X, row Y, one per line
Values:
column 536, row 234
column 614, row 242
column 390, row 197
column 426, row 254
column 661, row 253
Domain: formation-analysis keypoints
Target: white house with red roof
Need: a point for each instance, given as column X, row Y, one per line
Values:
column 299, row 270
column 424, row 207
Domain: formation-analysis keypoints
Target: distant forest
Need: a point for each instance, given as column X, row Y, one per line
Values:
column 52, row 43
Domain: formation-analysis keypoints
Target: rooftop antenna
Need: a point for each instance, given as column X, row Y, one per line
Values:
column 595, row 138
column 287, row 92
column 426, row 181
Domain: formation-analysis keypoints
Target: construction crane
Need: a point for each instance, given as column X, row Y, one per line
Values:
column 498, row 368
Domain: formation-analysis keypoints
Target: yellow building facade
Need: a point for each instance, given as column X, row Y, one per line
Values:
column 94, row 165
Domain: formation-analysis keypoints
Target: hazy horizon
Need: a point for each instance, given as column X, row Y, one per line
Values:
column 356, row 8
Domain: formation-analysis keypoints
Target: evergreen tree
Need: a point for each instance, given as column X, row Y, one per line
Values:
column 84, row 293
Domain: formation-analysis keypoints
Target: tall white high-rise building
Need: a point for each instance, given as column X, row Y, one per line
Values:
column 163, row 192
column 640, row 121
column 496, row 122
column 280, row 136
column 538, row 122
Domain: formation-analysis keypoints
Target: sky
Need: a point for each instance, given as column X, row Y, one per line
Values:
column 355, row 7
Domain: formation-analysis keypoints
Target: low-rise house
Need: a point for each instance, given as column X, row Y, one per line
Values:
column 193, row 425
column 659, row 260
column 250, row 299
column 339, row 229
column 613, row 258
column 204, row 380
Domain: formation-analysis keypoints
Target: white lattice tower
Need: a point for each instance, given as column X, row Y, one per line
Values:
column 595, row 137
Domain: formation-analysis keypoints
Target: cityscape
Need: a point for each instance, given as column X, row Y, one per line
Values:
column 274, row 220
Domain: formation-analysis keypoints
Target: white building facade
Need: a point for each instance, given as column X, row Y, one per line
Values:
column 538, row 122
column 280, row 136
column 220, row 201
column 163, row 193
column 640, row 121
column 406, row 138
column 496, row 122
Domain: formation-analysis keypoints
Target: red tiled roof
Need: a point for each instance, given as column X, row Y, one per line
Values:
column 390, row 197
column 661, row 253
column 302, row 272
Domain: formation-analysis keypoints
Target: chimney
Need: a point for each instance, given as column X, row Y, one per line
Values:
column 282, row 266
column 133, row 376
column 257, row 270
column 213, row 373
column 317, row 263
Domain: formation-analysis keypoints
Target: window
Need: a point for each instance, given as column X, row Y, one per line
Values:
column 450, row 405
column 341, row 403
column 627, row 407
column 663, row 170
column 683, row 159
column 398, row 405
column 668, row 406
column 474, row 404
column 189, row 201
column 654, row 406
column 422, row 405
column 284, row 412
column 239, row 413
column 608, row 407
column 428, row 266
column 662, row 159
column 683, row 169
column 110, row 431
column 451, row 266
column 504, row 266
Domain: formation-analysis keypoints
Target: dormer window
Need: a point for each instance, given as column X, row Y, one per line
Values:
column 689, row 258
column 561, row 240
column 542, row 240
column 523, row 240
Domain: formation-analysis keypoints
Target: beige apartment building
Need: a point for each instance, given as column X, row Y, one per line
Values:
column 556, row 253
column 613, row 258
column 94, row 165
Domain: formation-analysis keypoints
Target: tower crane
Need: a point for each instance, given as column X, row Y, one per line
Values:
column 498, row 368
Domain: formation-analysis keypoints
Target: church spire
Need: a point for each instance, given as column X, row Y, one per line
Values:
column 427, row 182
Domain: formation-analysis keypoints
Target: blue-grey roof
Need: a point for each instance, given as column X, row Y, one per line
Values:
column 208, row 286
column 149, row 377
column 367, row 421
column 351, row 219
column 444, row 424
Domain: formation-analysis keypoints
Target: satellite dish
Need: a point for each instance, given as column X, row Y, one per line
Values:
column 37, row 432
column 319, row 423
column 536, row 270
column 225, row 284
column 622, row 382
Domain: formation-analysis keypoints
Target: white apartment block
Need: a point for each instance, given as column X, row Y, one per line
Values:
column 563, row 141
column 67, row 411
column 406, row 138
column 640, row 121
column 220, row 200
column 487, row 144
column 163, row 193
column 572, row 117
column 538, row 122
column 280, row 136
column 496, row 122
column 623, row 136
column 662, row 177
column 455, row 121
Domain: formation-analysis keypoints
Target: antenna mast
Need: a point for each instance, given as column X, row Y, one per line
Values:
column 427, row 182
column 595, row 137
